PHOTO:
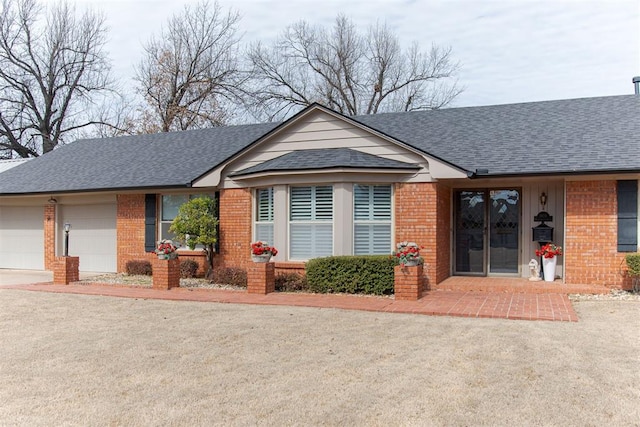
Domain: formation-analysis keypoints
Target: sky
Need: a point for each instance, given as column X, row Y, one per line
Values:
column 510, row 51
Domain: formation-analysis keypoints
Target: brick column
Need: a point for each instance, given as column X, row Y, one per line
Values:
column 49, row 237
column 408, row 283
column 261, row 278
column 166, row 273
column 66, row 269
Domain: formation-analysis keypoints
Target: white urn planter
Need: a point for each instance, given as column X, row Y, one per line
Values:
column 549, row 268
column 261, row 258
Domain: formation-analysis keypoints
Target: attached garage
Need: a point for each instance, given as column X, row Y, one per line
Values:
column 93, row 235
column 22, row 237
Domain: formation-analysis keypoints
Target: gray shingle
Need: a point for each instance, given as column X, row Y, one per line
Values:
column 172, row 159
column 577, row 135
column 326, row 158
column 567, row 136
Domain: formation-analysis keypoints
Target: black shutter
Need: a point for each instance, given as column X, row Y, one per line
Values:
column 627, row 216
column 216, row 246
column 149, row 222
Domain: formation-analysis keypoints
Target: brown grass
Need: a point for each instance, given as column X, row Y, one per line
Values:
column 85, row 360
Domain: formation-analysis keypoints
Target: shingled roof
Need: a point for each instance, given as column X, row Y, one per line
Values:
column 162, row 160
column 326, row 158
column 588, row 135
column 568, row 136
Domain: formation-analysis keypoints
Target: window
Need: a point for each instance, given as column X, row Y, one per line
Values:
column 311, row 222
column 371, row 219
column 169, row 210
column 264, row 215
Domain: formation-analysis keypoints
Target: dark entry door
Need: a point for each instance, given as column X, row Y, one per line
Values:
column 487, row 231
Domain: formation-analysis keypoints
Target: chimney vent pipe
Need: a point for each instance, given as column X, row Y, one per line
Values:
column 636, row 83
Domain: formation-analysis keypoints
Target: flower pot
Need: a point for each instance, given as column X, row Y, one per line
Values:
column 549, row 268
column 261, row 258
column 411, row 262
column 172, row 255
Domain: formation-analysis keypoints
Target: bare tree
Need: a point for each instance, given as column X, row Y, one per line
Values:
column 349, row 72
column 52, row 71
column 191, row 70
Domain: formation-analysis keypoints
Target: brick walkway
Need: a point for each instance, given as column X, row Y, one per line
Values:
column 500, row 305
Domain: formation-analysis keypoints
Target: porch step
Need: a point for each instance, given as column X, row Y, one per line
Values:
column 514, row 285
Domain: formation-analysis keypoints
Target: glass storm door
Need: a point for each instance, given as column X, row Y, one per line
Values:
column 470, row 212
column 504, row 231
column 487, row 232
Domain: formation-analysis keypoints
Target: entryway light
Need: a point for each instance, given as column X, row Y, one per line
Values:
column 67, row 227
column 543, row 199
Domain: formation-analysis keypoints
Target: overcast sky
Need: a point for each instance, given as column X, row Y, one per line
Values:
column 510, row 50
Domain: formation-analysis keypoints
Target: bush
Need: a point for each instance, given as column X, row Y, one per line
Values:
column 138, row 267
column 230, row 276
column 633, row 263
column 188, row 268
column 351, row 274
column 290, row 282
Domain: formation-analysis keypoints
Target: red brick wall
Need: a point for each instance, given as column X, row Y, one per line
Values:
column 49, row 236
column 443, row 233
column 590, row 253
column 130, row 230
column 66, row 270
column 235, row 228
column 422, row 215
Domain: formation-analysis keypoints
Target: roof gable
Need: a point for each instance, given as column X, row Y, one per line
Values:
column 326, row 158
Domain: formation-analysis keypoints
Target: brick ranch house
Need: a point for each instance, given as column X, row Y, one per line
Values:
column 466, row 183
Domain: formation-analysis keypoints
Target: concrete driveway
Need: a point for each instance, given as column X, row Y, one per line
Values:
column 23, row 277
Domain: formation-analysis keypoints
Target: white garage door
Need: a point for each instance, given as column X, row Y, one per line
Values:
column 22, row 237
column 92, row 236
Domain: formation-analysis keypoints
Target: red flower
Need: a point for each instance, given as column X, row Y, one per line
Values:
column 549, row 251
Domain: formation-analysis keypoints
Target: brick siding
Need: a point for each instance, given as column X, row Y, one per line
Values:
column 235, row 228
column 591, row 248
column 49, row 236
column 422, row 215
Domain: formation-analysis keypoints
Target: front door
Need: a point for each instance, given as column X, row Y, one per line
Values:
column 487, row 232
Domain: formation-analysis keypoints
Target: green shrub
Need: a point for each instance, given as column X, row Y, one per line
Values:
column 188, row 268
column 633, row 263
column 138, row 267
column 230, row 276
column 290, row 282
column 351, row 274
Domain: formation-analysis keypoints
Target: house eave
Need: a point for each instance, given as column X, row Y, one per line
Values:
column 315, row 171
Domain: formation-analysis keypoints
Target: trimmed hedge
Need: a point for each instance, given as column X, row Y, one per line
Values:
column 372, row 274
column 139, row 267
column 633, row 262
column 188, row 269
column 290, row 282
column 229, row 276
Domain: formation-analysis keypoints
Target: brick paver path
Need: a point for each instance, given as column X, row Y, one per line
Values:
column 501, row 305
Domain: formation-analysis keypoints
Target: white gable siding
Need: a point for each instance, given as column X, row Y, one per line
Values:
column 322, row 130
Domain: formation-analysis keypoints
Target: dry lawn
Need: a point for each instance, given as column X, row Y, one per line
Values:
column 87, row 360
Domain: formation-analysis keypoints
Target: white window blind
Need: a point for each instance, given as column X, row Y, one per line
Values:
column 311, row 222
column 372, row 219
column 264, row 215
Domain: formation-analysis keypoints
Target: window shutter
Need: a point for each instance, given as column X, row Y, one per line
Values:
column 264, row 215
column 627, row 216
column 311, row 227
column 372, row 219
column 265, row 205
column 149, row 222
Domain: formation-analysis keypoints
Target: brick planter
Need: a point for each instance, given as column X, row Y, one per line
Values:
column 261, row 278
column 408, row 283
column 66, row 269
column 166, row 273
